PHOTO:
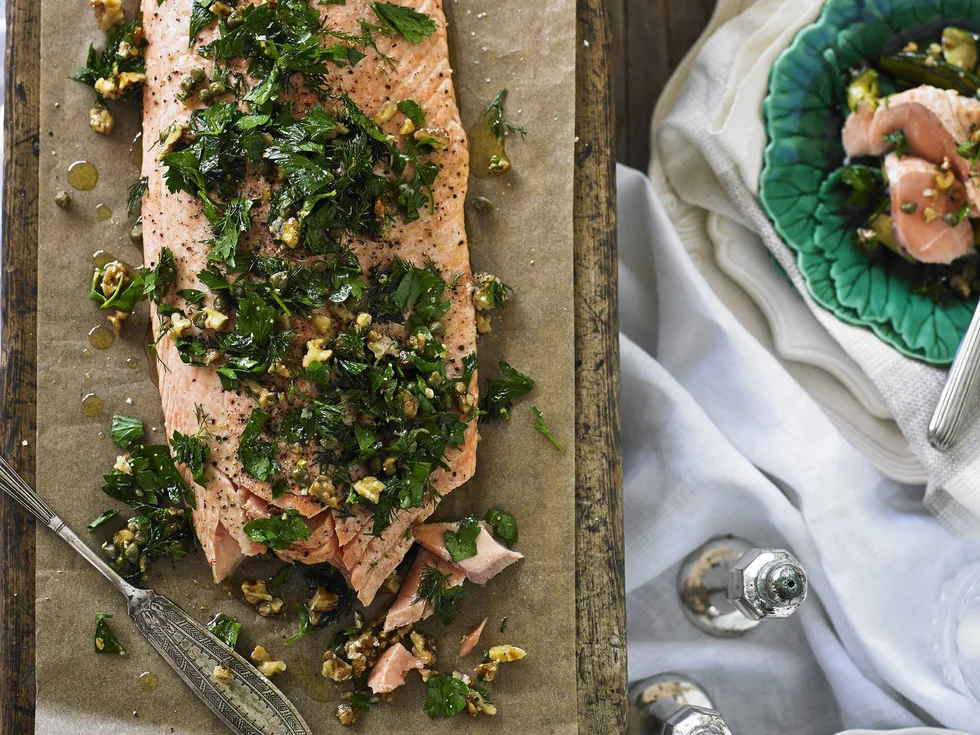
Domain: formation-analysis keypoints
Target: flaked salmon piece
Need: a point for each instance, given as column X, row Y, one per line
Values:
column 349, row 526
column 934, row 121
column 320, row 547
column 857, row 133
column 471, row 640
column 177, row 221
column 922, row 232
column 491, row 558
column 391, row 667
column 407, row 607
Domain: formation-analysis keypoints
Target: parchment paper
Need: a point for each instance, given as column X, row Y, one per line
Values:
column 527, row 241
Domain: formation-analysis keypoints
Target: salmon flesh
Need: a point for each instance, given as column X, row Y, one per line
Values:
column 341, row 534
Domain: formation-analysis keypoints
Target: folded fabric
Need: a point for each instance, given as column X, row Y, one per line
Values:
column 718, row 439
column 711, row 150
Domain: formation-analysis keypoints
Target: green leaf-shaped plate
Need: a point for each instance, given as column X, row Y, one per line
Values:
column 800, row 185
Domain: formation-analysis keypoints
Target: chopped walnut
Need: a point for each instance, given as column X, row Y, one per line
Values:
column 486, row 671
column 101, row 120
column 221, row 672
column 381, row 345
column 393, row 583
column 362, row 651
column 323, row 488
column 113, row 277
column 484, row 323
column 268, row 608
column 386, row 113
column 477, row 705
column 260, row 655
column 255, row 591
column 116, row 319
column 108, row 13
column 346, row 713
column 316, row 352
column 502, row 654
column 424, row 647
column 370, row 488
column 269, row 669
column 336, row 668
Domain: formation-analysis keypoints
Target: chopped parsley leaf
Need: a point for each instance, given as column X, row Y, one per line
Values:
column 193, row 452
column 281, row 577
column 542, row 428
column 105, row 639
column 461, row 543
column 123, row 53
column 258, row 457
column 445, row 696
column 504, row 526
column 126, row 431
column 104, row 517
column 226, row 629
column 152, row 477
column 412, row 24
column 413, row 111
column 900, row 142
column 278, row 532
column 865, row 183
column 502, row 392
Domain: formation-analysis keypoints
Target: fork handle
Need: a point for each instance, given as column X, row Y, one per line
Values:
column 15, row 486
column 954, row 401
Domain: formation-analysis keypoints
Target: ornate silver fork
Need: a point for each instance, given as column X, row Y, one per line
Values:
column 248, row 702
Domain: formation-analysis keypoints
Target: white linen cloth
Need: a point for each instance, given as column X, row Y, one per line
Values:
column 711, row 151
column 719, row 439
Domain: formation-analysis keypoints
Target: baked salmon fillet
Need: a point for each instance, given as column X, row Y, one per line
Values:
column 339, row 505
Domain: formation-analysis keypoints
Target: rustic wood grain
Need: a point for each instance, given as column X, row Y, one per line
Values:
column 18, row 298
column 599, row 535
column 650, row 37
column 600, row 576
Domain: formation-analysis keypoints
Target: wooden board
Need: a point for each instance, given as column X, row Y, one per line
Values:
column 649, row 39
column 599, row 529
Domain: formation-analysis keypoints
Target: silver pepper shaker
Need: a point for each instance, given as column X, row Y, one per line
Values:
column 672, row 704
column 728, row 586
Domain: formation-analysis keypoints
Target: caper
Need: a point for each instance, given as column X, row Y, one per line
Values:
column 238, row 291
column 267, row 139
column 959, row 48
column 222, row 302
column 197, row 74
column 199, row 319
column 301, row 475
column 140, row 537
column 499, row 164
column 278, row 279
column 186, row 85
column 482, row 205
column 374, row 465
column 109, row 550
column 217, row 89
column 235, row 19
column 132, row 553
column 204, row 95
column 63, row 199
column 951, row 219
column 909, row 207
column 136, row 234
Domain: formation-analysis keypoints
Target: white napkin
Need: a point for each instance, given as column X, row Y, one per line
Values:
column 711, row 150
column 719, row 439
